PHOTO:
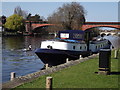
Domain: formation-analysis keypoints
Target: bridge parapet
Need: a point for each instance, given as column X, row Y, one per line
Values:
column 88, row 25
column 36, row 22
column 102, row 23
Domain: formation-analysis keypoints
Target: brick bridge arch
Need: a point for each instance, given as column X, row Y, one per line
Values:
column 34, row 26
column 89, row 25
column 31, row 25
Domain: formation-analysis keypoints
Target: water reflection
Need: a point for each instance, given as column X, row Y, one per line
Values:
column 13, row 43
column 15, row 59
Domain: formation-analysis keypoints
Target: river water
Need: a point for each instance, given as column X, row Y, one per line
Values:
column 15, row 59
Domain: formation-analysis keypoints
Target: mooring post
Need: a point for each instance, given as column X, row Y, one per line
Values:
column 13, row 74
column 48, row 83
column 46, row 66
column 67, row 60
column 104, row 61
column 116, row 54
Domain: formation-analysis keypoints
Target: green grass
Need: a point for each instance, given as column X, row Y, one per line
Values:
column 79, row 76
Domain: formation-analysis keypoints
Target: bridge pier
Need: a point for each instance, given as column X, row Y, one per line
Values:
column 28, row 27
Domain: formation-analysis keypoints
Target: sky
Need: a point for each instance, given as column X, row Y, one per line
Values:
column 95, row 11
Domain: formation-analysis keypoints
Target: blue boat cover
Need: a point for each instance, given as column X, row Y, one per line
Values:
column 71, row 34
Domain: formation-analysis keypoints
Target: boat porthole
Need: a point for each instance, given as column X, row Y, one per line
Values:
column 50, row 47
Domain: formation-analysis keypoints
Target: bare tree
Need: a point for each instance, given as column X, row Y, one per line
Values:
column 70, row 16
column 20, row 12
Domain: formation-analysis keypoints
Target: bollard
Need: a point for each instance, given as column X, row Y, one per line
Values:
column 46, row 66
column 49, row 83
column 116, row 54
column 67, row 60
column 104, row 61
column 12, row 76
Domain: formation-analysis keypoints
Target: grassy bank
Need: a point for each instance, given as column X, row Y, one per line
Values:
column 80, row 76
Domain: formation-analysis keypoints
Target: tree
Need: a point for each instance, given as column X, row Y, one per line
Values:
column 70, row 16
column 29, row 16
column 20, row 12
column 37, row 17
column 14, row 23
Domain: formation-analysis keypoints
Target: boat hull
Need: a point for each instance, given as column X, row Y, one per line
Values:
column 55, row 57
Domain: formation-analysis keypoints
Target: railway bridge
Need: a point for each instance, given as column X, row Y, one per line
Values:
column 89, row 25
column 32, row 25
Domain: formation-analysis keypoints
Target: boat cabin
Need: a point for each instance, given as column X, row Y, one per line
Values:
column 71, row 34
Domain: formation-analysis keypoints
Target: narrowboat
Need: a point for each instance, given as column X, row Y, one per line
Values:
column 69, row 44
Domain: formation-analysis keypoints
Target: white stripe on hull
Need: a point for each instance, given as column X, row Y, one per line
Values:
column 93, row 46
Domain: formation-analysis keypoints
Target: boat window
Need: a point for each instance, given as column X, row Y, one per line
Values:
column 73, row 47
column 64, row 35
column 80, row 47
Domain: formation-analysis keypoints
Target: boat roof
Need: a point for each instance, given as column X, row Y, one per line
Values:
column 67, row 40
column 71, row 34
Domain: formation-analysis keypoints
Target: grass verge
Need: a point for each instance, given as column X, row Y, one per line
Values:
column 80, row 76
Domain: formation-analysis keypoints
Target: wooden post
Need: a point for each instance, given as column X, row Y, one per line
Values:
column 116, row 54
column 67, row 60
column 12, row 76
column 49, row 83
column 46, row 66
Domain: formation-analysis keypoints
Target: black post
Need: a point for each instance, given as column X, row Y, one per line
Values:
column 30, row 26
column 3, row 22
column 87, row 40
column 104, row 61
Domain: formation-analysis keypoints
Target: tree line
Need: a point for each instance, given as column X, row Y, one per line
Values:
column 70, row 16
